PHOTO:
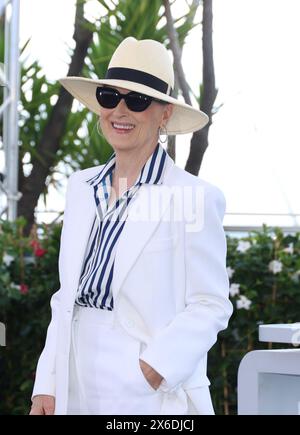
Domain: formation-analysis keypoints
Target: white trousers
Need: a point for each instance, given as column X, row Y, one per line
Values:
column 105, row 377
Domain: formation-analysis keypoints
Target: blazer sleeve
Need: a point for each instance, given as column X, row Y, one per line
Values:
column 45, row 371
column 176, row 349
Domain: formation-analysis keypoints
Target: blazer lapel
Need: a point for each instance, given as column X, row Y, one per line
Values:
column 81, row 212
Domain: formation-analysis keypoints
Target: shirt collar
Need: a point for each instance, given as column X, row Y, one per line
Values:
column 151, row 173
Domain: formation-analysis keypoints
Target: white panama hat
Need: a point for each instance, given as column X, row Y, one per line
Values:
column 143, row 66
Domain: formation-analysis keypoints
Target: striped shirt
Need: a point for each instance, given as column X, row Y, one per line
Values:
column 94, row 288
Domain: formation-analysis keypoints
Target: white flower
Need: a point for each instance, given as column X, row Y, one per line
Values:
column 243, row 246
column 15, row 286
column 295, row 276
column 289, row 249
column 7, row 259
column 234, row 289
column 243, row 303
column 275, row 266
column 230, row 272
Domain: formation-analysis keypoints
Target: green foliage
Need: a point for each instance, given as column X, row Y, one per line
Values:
column 29, row 275
column 266, row 274
column 142, row 19
column 36, row 105
column 80, row 146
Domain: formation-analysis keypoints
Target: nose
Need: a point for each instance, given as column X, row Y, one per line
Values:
column 121, row 107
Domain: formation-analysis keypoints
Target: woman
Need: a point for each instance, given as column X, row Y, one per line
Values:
column 142, row 263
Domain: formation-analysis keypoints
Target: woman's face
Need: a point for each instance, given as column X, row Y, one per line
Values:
column 143, row 126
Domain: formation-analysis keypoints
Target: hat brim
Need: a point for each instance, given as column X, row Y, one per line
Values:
column 184, row 119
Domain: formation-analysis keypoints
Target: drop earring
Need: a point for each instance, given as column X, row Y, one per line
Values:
column 162, row 131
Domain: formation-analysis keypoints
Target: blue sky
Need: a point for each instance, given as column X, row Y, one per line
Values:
column 254, row 140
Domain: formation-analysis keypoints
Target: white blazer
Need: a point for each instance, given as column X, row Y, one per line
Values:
column 170, row 284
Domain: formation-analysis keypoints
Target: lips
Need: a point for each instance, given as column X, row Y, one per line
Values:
column 121, row 127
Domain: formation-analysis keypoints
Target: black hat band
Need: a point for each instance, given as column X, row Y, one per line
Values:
column 134, row 75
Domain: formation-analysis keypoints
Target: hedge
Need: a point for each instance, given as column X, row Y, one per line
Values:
column 264, row 273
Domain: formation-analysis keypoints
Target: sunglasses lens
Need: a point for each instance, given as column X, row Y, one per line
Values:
column 107, row 98
column 138, row 102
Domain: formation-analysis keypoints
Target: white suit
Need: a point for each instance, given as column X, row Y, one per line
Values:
column 170, row 284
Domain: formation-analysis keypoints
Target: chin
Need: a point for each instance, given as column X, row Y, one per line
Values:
column 121, row 144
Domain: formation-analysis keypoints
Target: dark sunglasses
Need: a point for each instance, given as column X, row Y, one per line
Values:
column 109, row 98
